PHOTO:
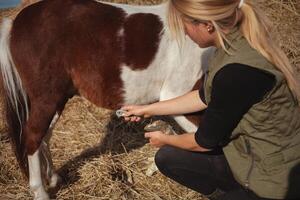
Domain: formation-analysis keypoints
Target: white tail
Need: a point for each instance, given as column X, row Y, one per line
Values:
column 11, row 80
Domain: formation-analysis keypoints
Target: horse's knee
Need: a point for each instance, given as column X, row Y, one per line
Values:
column 34, row 132
column 32, row 142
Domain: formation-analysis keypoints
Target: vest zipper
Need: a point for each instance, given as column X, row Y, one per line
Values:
column 249, row 152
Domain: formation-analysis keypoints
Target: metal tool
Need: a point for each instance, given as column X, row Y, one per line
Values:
column 120, row 113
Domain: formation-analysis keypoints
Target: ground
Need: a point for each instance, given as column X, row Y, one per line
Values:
column 102, row 160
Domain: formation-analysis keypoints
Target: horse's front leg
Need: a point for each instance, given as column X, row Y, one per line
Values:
column 182, row 121
column 188, row 122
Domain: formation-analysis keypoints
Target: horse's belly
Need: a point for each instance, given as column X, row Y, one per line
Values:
column 142, row 86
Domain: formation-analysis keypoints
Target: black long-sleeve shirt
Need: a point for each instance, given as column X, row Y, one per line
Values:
column 235, row 88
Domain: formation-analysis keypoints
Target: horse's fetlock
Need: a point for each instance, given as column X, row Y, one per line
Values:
column 35, row 186
column 39, row 191
column 55, row 179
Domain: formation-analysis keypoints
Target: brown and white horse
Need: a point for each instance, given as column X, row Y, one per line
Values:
column 111, row 54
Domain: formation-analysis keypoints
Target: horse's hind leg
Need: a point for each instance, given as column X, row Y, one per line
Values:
column 40, row 117
column 48, row 172
column 35, row 180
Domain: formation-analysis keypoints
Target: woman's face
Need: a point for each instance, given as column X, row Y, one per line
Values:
column 201, row 33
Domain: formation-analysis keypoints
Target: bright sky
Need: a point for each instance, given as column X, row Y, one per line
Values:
column 8, row 3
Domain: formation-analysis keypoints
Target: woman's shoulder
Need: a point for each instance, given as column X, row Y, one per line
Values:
column 243, row 75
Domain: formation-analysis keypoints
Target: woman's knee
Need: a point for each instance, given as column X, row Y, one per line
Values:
column 165, row 156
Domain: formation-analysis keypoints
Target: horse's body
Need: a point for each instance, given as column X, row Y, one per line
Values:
column 111, row 54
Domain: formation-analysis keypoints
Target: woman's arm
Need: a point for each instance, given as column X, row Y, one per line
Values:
column 187, row 103
column 185, row 141
column 235, row 89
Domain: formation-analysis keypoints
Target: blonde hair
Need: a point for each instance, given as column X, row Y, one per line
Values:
column 227, row 14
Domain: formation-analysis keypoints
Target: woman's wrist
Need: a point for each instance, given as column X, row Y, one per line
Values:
column 165, row 138
column 149, row 110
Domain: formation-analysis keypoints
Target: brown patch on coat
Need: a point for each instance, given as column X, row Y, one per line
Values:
column 96, row 54
column 142, row 33
column 60, row 52
column 62, row 48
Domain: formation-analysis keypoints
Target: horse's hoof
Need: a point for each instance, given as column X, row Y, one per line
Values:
column 160, row 125
column 55, row 179
column 41, row 194
column 42, row 198
column 151, row 168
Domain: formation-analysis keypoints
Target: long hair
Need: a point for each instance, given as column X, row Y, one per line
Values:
column 226, row 15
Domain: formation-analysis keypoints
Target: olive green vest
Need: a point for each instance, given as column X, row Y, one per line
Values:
column 265, row 145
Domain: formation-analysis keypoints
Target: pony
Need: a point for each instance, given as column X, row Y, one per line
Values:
column 111, row 54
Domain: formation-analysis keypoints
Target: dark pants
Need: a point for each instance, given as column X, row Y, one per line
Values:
column 202, row 172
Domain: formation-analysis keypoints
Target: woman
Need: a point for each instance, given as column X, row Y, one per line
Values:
column 248, row 145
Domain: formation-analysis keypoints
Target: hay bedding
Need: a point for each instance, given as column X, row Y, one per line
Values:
column 102, row 160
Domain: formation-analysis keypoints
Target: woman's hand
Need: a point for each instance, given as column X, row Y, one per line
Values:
column 135, row 112
column 184, row 141
column 156, row 138
column 187, row 103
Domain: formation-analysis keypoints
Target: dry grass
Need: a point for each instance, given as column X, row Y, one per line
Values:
column 100, row 161
column 97, row 160
column 285, row 15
